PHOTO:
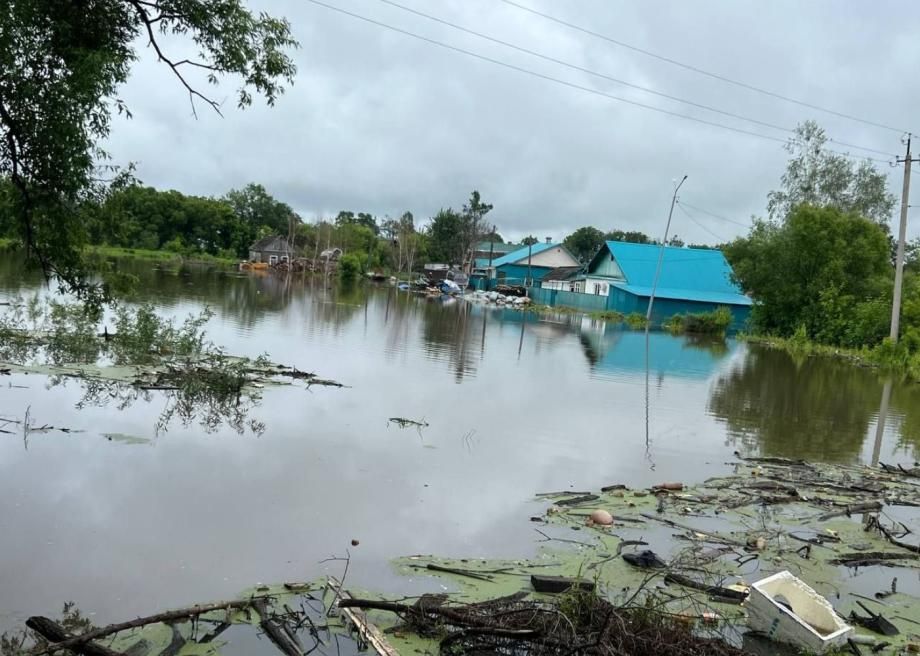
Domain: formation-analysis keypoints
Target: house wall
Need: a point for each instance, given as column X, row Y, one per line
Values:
column 515, row 274
column 561, row 285
column 552, row 257
column 597, row 286
column 608, row 267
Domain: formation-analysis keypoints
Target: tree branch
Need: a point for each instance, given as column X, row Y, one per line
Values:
column 139, row 7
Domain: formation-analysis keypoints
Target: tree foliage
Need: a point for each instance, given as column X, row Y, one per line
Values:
column 446, row 237
column 584, row 242
column 818, row 176
column 61, row 64
column 821, row 270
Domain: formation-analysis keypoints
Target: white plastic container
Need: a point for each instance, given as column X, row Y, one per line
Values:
column 812, row 624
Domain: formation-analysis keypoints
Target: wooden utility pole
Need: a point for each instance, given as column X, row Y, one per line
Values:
column 902, row 238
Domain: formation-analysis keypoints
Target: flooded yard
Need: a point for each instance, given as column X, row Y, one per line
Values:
column 125, row 520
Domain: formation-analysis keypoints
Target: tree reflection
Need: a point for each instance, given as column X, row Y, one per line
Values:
column 811, row 407
column 210, row 406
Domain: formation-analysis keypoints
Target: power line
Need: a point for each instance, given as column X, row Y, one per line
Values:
column 716, row 216
column 566, row 83
column 716, row 76
column 610, row 78
column 698, row 223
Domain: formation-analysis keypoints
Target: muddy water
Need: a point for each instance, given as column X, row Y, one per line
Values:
column 514, row 405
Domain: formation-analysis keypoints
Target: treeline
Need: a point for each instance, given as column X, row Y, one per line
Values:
column 820, row 266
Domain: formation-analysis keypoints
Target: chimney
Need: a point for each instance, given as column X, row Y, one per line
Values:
column 549, row 240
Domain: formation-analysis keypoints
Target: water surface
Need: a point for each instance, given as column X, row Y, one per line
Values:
column 515, row 404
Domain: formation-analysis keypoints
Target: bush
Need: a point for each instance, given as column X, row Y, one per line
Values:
column 716, row 322
column 349, row 266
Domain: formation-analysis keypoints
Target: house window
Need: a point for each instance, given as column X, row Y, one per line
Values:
column 273, row 259
column 284, row 258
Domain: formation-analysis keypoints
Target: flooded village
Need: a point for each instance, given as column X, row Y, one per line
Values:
column 524, row 395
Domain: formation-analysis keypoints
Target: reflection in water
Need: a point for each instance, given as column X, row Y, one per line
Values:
column 813, row 408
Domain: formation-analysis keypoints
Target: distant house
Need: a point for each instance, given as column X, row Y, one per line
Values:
column 529, row 264
column 564, row 279
column 435, row 271
column 331, row 254
column 691, row 280
column 270, row 250
column 486, row 252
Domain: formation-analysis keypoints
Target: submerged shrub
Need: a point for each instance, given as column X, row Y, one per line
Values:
column 716, row 322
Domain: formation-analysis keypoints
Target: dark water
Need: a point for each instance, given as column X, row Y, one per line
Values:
column 515, row 405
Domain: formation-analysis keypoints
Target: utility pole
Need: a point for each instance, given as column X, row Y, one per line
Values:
column 902, row 238
column 529, row 254
column 667, row 228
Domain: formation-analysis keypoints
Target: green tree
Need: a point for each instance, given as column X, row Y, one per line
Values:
column 819, row 177
column 473, row 224
column 676, row 241
column 445, row 237
column 529, row 240
column 632, row 236
column 256, row 208
column 61, row 64
column 360, row 219
column 818, row 269
column 584, row 242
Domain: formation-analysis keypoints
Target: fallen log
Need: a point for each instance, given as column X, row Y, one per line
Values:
column 717, row 591
column 854, row 509
column 55, row 634
column 714, row 536
column 275, row 629
column 74, row 642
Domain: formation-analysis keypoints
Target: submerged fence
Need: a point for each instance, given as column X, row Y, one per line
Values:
column 583, row 302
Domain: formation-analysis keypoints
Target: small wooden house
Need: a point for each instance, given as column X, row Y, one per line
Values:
column 271, row 250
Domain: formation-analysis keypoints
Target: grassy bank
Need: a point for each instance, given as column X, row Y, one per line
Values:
column 159, row 256
column 886, row 356
column 8, row 244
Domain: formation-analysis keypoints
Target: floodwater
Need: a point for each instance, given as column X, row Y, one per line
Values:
column 515, row 405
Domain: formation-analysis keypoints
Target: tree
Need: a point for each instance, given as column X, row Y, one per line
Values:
column 473, row 225
column 493, row 237
column 360, row 219
column 256, row 207
column 61, row 64
column 632, row 236
column 821, row 270
column 529, row 240
column 819, row 177
column 676, row 241
column 584, row 242
column 445, row 237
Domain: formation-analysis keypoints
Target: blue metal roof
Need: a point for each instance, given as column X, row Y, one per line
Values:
column 521, row 254
column 692, row 274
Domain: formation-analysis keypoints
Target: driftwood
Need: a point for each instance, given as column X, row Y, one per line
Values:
column 714, row 536
column 368, row 631
column 728, row 594
column 277, row 630
column 874, row 522
column 75, row 643
column 853, row 509
column 459, row 572
column 574, row 501
column 55, row 633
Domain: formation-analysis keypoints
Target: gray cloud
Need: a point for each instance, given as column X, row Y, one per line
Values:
column 382, row 122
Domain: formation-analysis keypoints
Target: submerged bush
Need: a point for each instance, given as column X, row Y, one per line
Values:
column 716, row 322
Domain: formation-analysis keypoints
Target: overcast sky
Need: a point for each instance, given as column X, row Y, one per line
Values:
column 382, row 122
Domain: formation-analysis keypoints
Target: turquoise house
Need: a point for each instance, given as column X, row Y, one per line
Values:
column 691, row 280
column 528, row 264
